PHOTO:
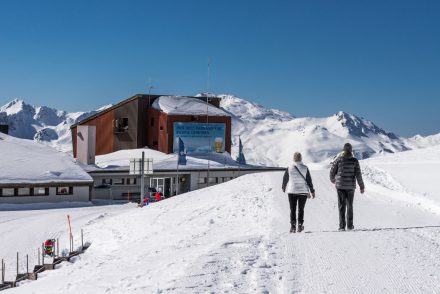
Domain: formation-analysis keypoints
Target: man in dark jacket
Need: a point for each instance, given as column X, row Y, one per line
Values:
column 344, row 173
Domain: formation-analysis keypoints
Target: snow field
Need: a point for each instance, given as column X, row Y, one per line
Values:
column 233, row 238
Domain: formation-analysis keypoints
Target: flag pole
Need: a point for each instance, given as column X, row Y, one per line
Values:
column 177, row 180
column 239, row 159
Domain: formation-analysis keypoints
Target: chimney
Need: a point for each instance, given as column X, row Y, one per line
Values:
column 86, row 144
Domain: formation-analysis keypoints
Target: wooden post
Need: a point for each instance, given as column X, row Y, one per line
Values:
column 42, row 254
column 27, row 264
column 17, row 263
column 3, row 272
column 39, row 257
column 82, row 240
column 58, row 247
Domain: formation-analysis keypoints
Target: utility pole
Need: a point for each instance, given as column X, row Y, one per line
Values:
column 207, row 120
column 142, row 179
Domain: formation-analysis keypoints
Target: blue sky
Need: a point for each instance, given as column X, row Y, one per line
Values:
column 376, row 59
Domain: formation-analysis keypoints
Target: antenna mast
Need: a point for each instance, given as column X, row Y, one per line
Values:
column 207, row 118
column 149, row 92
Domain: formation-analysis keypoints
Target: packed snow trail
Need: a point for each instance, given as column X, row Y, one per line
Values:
column 385, row 254
column 233, row 238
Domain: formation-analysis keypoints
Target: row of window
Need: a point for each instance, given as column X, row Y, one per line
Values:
column 34, row 191
column 119, row 181
column 215, row 180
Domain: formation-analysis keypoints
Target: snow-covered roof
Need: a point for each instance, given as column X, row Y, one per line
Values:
column 180, row 105
column 25, row 161
column 119, row 160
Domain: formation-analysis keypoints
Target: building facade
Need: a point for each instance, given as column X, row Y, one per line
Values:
column 119, row 185
column 134, row 123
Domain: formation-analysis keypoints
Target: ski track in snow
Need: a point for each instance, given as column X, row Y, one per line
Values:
column 233, row 238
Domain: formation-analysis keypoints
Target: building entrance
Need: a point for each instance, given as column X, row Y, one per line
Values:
column 167, row 186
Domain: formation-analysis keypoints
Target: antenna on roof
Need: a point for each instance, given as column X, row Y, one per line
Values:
column 207, row 117
column 149, row 91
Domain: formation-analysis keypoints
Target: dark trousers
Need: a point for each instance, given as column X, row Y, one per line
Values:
column 345, row 202
column 294, row 201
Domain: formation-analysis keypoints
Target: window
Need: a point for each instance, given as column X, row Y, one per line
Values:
column 106, row 181
column 131, row 181
column 24, row 191
column 202, row 180
column 8, row 192
column 213, row 180
column 161, row 128
column 40, row 191
column 118, row 181
column 152, row 122
column 64, row 190
column 120, row 125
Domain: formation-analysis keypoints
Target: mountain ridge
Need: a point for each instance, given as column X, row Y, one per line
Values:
column 269, row 135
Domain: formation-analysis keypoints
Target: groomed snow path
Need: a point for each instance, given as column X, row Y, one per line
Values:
column 233, row 238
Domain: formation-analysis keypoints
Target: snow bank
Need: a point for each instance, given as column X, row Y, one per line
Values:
column 417, row 170
column 414, row 175
column 175, row 105
column 25, row 161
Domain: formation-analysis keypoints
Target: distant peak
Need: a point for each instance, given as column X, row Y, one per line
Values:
column 14, row 106
column 359, row 126
column 13, row 102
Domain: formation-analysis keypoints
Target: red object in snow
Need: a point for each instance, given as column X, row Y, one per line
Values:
column 48, row 243
column 49, row 247
column 157, row 195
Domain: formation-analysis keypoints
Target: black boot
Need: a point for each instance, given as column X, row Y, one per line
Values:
column 293, row 229
column 300, row 228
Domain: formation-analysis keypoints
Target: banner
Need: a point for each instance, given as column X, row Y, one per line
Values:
column 240, row 159
column 181, row 159
column 199, row 138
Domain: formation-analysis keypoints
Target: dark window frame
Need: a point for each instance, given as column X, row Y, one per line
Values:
column 15, row 192
column 70, row 192
column 46, row 191
column 104, row 181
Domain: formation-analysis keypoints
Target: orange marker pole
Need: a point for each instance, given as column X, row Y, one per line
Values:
column 70, row 233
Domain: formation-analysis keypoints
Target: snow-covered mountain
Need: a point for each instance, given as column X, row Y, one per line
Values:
column 41, row 123
column 270, row 136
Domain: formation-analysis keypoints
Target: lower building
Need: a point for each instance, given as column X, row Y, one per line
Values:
column 112, row 179
column 32, row 172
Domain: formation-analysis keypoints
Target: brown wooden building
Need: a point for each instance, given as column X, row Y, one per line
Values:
column 133, row 123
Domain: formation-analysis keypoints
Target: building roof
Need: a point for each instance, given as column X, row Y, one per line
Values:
column 182, row 105
column 138, row 96
column 29, row 162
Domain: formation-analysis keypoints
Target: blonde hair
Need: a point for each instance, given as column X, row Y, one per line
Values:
column 297, row 157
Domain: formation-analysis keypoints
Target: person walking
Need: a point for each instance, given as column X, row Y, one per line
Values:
column 296, row 183
column 344, row 173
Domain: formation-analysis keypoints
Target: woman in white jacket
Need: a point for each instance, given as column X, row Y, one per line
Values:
column 297, row 183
